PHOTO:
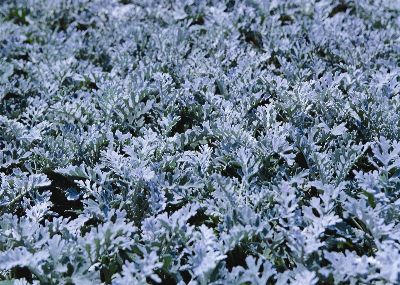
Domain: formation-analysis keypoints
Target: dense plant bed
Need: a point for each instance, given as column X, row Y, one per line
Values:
column 199, row 141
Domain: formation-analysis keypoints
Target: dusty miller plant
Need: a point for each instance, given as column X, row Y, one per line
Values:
column 199, row 142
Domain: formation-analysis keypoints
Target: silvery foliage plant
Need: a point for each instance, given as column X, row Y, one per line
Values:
column 199, row 142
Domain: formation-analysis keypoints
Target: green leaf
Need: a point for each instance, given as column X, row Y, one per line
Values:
column 7, row 282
